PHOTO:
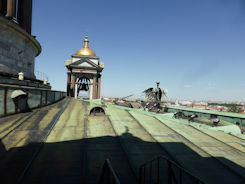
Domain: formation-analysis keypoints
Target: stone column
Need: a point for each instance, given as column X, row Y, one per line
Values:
column 75, row 94
column 68, row 93
column 3, row 7
column 25, row 14
column 91, row 89
column 98, row 90
column 11, row 8
column 72, row 85
column 94, row 88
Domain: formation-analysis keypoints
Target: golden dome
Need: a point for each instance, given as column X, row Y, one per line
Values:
column 85, row 51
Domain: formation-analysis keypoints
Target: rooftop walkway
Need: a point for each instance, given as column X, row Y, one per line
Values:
column 63, row 143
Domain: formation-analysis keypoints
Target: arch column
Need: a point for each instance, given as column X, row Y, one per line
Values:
column 25, row 14
column 75, row 94
column 73, row 78
column 3, row 7
column 68, row 93
column 11, row 8
column 91, row 89
column 94, row 87
column 98, row 86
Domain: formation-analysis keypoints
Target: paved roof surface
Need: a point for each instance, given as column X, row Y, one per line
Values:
column 63, row 143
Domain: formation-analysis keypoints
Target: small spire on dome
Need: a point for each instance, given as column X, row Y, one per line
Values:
column 85, row 51
column 86, row 42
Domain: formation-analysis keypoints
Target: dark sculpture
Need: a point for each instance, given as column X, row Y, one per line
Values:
column 216, row 122
column 154, row 95
column 192, row 117
column 178, row 115
column 153, row 98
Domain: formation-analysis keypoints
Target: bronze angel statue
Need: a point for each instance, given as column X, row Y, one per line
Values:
column 155, row 95
column 154, row 98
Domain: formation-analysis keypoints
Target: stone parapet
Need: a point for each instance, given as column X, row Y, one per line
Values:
column 9, row 80
column 226, row 116
column 33, row 98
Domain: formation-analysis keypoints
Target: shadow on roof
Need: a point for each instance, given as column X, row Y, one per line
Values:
column 81, row 161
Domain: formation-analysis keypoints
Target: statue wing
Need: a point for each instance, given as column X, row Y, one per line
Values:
column 160, row 94
column 149, row 90
column 164, row 94
column 149, row 94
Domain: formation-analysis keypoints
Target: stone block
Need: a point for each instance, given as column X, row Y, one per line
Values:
column 57, row 96
column 43, row 97
column 34, row 98
column 16, row 48
column 4, row 46
column 10, row 102
column 50, row 97
column 1, row 101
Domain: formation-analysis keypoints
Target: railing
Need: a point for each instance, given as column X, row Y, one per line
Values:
column 163, row 170
column 40, row 75
column 108, row 175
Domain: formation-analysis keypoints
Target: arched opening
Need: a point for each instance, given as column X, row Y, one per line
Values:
column 83, row 85
column 97, row 111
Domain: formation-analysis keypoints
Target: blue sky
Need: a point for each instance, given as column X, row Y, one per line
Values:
column 195, row 48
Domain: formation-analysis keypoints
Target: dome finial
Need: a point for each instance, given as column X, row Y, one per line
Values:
column 86, row 42
column 85, row 51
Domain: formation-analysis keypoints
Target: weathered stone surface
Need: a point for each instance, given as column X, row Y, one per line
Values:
column 43, row 97
column 10, row 102
column 34, row 98
column 1, row 100
column 17, row 49
column 50, row 97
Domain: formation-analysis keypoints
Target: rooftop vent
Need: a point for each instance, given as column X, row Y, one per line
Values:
column 178, row 115
column 238, row 123
column 97, row 111
column 192, row 117
column 216, row 122
column 213, row 116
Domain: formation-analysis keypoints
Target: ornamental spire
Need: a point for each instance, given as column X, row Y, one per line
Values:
column 86, row 42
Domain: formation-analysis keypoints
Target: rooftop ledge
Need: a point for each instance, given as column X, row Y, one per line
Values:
column 228, row 114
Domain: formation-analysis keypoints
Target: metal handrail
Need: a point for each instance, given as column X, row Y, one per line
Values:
column 41, row 75
column 173, row 176
column 108, row 175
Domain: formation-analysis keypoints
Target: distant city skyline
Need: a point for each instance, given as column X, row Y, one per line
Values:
column 195, row 49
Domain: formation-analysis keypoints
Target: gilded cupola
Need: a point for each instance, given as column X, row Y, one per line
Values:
column 85, row 51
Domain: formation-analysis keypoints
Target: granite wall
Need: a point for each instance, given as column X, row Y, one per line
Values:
column 18, row 49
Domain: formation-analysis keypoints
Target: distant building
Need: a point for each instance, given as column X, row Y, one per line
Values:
column 217, row 108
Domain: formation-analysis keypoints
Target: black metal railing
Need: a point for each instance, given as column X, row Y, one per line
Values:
column 41, row 75
column 108, row 175
column 164, row 170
